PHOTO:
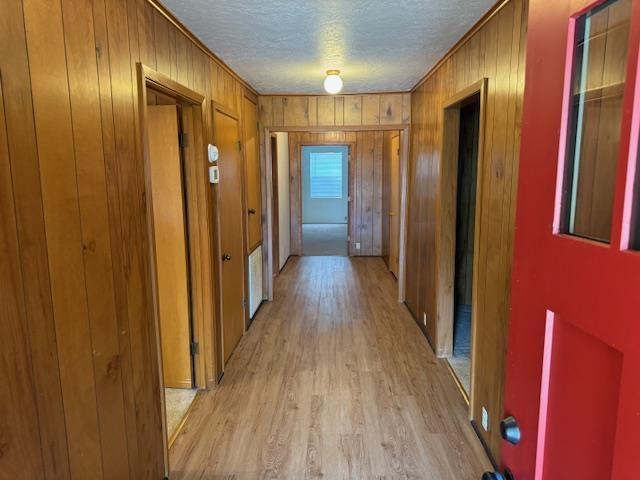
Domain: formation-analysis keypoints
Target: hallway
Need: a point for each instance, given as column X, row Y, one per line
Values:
column 333, row 380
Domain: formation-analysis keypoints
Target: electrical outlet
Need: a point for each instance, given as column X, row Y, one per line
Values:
column 424, row 318
column 357, row 245
column 485, row 419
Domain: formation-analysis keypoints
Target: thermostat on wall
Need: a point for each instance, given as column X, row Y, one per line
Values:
column 213, row 153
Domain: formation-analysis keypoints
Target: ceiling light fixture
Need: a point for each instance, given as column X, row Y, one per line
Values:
column 333, row 82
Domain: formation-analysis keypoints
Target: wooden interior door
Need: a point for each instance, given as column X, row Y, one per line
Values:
column 231, row 214
column 574, row 339
column 394, row 204
column 169, row 224
column 252, row 175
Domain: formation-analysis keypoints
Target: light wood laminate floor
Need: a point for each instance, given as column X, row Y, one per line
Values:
column 334, row 380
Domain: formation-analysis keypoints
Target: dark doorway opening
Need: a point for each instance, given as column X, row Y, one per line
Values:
column 464, row 242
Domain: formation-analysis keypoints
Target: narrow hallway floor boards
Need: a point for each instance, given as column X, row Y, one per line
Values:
column 333, row 380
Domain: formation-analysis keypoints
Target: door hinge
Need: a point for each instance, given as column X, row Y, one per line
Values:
column 182, row 139
column 244, row 302
column 239, row 146
column 194, row 348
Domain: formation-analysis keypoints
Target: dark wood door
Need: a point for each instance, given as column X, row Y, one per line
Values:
column 574, row 339
column 231, row 215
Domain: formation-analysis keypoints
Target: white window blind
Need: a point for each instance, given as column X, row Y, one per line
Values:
column 326, row 174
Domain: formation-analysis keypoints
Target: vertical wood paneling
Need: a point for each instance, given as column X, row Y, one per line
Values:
column 494, row 52
column 296, row 111
column 365, row 171
column 25, row 171
column 161, row 44
column 90, row 170
column 146, row 37
column 339, row 111
column 86, row 403
column 112, row 174
column 326, row 111
column 335, row 111
column 370, row 109
column 313, row 111
column 391, row 109
column 277, row 111
column 353, row 110
column 21, row 454
column 265, row 105
column 43, row 23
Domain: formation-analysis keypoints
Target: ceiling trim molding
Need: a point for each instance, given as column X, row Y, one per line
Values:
column 465, row 38
column 176, row 23
column 389, row 92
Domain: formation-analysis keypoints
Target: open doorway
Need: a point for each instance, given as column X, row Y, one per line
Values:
column 325, row 200
column 181, row 256
column 468, row 121
column 171, row 246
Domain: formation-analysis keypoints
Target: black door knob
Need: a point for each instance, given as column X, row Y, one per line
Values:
column 226, row 257
column 492, row 476
column 507, row 475
column 510, row 430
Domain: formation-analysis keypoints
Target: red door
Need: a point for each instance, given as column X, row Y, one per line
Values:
column 573, row 361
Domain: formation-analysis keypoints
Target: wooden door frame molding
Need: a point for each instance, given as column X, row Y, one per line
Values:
column 203, row 306
column 446, row 223
column 352, row 151
column 265, row 161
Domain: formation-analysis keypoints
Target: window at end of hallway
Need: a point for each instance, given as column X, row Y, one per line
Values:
column 325, row 174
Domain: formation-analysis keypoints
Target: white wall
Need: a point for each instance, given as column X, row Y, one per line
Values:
column 284, row 216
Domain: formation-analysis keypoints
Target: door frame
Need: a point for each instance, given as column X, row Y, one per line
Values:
column 217, row 262
column 275, row 207
column 351, row 149
column 446, row 227
column 198, row 202
column 265, row 160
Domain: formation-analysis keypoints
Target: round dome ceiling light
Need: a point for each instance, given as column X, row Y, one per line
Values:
column 333, row 82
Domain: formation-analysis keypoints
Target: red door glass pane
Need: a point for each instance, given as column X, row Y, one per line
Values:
column 598, row 79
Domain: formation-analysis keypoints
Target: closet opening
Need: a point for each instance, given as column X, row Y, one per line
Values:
column 459, row 235
column 181, row 257
column 171, row 240
column 467, row 179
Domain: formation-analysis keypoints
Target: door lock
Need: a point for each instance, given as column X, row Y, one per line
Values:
column 252, row 211
column 226, row 257
column 510, row 430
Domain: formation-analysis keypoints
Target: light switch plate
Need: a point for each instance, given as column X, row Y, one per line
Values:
column 357, row 245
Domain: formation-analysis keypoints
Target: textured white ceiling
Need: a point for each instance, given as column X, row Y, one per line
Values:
column 285, row 46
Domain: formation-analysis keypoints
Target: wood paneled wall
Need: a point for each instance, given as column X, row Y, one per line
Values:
column 297, row 111
column 79, row 396
column 365, row 181
column 496, row 52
